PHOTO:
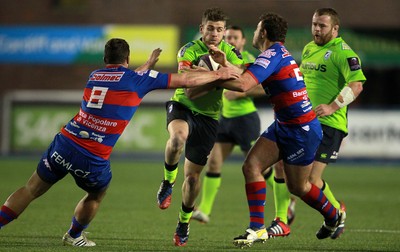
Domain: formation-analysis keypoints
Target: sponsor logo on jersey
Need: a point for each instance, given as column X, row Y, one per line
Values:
column 107, row 76
column 141, row 73
column 286, row 53
column 327, row 55
column 262, row 62
column 153, row 74
column 354, row 63
column 335, row 155
column 299, row 93
column 268, row 53
column 313, row 66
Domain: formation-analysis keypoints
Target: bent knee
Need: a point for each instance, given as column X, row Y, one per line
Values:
column 297, row 189
column 251, row 170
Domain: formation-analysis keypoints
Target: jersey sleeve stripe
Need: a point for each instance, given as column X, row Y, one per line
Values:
column 285, row 73
column 252, row 75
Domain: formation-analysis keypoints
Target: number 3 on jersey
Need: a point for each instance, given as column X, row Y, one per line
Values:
column 97, row 97
column 296, row 71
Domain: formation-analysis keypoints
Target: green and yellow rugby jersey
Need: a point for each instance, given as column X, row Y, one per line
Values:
column 242, row 106
column 210, row 103
column 326, row 70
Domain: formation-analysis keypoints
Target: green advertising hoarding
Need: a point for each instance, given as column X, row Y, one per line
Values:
column 33, row 128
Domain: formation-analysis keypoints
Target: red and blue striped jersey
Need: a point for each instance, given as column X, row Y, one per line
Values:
column 282, row 81
column 110, row 100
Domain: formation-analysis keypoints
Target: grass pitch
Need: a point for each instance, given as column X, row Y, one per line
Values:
column 129, row 219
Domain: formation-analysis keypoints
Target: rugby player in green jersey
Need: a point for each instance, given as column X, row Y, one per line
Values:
column 192, row 121
column 239, row 124
column 334, row 78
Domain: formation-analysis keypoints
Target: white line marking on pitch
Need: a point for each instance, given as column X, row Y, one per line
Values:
column 374, row 231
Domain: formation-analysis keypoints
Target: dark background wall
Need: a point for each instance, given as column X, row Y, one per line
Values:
column 383, row 83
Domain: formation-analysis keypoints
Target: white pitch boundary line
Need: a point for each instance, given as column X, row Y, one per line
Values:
column 373, row 231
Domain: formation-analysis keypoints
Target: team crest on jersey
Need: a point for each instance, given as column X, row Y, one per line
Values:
column 345, row 46
column 107, row 76
column 184, row 48
column 354, row 63
column 327, row 55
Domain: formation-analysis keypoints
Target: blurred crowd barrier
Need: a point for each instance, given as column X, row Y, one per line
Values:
column 33, row 117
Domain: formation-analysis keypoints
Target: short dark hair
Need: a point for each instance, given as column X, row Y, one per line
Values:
column 236, row 28
column 116, row 51
column 329, row 12
column 214, row 14
column 275, row 25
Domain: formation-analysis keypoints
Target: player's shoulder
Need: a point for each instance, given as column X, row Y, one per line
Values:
column 225, row 46
column 340, row 45
column 248, row 57
column 233, row 55
column 191, row 46
column 310, row 44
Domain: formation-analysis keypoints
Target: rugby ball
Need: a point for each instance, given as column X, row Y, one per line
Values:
column 207, row 62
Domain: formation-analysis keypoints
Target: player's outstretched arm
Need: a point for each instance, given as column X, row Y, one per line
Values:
column 151, row 62
column 193, row 79
column 253, row 92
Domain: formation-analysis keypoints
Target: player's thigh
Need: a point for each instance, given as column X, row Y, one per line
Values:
column 178, row 117
column 201, row 139
column 317, row 171
column 178, row 129
column 262, row 155
column 297, row 178
column 218, row 154
column 97, row 196
column 37, row 186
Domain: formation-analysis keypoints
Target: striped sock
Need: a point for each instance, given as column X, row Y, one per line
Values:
column 76, row 229
column 6, row 216
column 328, row 193
column 256, row 194
column 317, row 200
